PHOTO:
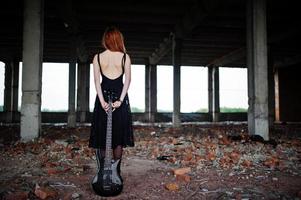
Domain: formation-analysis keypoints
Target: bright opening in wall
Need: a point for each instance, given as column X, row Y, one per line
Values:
column 164, row 88
column 137, row 88
column 55, row 86
column 2, row 78
column 233, row 86
column 194, row 89
column 92, row 89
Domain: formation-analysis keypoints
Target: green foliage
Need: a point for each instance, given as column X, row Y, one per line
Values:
column 232, row 110
column 202, row 110
column 164, row 111
column 48, row 110
column 137, row 110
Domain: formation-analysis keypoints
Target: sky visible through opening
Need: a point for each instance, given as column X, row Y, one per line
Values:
column 194, row 88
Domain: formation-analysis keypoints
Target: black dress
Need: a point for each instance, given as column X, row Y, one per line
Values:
column 122, row 130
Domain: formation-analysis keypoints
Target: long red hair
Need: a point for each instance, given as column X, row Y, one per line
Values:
column 112, row 39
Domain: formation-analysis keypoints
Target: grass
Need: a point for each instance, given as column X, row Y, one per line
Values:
column 140, row 110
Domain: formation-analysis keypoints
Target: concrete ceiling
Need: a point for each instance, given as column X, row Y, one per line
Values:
column 211, row 30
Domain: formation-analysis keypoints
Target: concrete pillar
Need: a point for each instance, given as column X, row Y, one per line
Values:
column 83, row 81
column 8, row 92
column 213, row 92
column 276, row 92
column 71, row 100
column 150, row 91
column 16, row 68
column 271, row 88
column 210, row 93
column 257, row 68
column 176, row 60
column 32, row 69
column 250, row 66
column 11, row 90
column 147, row 89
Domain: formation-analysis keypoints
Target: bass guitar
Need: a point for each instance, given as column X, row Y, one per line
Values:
column 108, row 181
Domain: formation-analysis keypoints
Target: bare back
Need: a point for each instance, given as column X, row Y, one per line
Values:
column 110, row 63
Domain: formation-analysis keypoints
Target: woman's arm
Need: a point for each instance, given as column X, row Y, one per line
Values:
column 97, row 81
column 127, row 76
column 127, row 81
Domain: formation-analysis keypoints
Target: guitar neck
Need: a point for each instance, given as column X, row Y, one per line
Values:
column 108, row 157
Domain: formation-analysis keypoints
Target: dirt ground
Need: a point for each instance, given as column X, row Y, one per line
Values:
column 196, row 161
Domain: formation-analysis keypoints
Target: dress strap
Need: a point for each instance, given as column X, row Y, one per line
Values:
column 99, row 63
column 123, row 62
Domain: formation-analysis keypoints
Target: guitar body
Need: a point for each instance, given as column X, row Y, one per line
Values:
column 108, row 182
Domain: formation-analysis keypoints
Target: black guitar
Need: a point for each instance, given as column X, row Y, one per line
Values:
column 107, row 181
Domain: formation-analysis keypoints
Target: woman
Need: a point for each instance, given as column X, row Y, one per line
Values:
column 109, row 68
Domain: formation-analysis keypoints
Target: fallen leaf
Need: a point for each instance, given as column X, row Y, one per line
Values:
column 172, row 186
column 181, row 171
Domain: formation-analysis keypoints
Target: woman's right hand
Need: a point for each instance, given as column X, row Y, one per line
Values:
column 105, row 106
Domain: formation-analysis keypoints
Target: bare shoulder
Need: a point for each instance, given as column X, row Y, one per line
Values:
column 128, row 58
column 98, row 56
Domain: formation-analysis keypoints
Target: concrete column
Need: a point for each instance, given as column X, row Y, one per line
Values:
column 32, row 69
column 271, row 88
column 176, row 60
column 152, row 92
column 83, row 81
column 11, row 90
column 8, row 92
column 147, row 88
column 276, row 92
column 250, row 66
column 213, row 87
column 71, row 99
column 210, row 92
column 16, row 68
column 257, row 68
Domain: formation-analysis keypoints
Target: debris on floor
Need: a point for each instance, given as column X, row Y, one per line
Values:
column 191, row 162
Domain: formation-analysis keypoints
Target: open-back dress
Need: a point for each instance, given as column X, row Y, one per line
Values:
column 122, row 130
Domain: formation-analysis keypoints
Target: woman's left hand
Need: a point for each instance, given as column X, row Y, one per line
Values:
column 116, row 104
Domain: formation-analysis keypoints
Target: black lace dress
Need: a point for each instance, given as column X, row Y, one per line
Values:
column 122, row 130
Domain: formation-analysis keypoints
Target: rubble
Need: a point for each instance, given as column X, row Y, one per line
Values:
column 45, row 192
column 191, row 162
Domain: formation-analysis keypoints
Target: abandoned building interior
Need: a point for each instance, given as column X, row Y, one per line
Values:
column 213, row 34
column 259, row 36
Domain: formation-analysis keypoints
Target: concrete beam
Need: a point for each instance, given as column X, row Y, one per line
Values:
column 190, row 21
column 68, row 14
column 287, row 61
column 228, row 58
column 164, row 48
column 32, row 69
column 241, row 52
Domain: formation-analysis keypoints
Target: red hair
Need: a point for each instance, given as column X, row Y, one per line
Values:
column 112, row 39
